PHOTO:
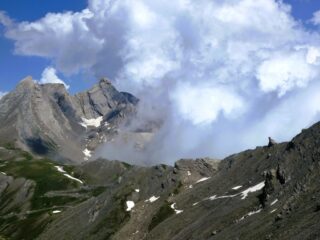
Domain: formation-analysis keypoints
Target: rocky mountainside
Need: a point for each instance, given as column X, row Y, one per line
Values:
column 271, row 192
column 48, row 121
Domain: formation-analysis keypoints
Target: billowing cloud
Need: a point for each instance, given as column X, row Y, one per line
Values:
column 285, row 72
column 63, row 37
column 49, row 75
column 222, row 75
column 203, row 104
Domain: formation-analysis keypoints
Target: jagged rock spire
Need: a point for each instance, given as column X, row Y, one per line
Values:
column 271, row 142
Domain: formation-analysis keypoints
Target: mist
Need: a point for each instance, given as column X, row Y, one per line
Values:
column 220, row 76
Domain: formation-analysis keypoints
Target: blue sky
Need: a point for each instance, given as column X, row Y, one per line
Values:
column 14, row 67
column 303, row 9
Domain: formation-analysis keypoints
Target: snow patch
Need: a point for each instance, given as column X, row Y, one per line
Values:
column 130, row 205
column 195, row 204
column 202, row 179
column 274, row 202
column 3, row 173
column 255, row 188
column 93, row 122
column 173, row 206
column 190, row 186
column 152, row 199
column 244, row 193
column 56, row 211
column 254, row 212
column 137, row 190
column 272, row 211
column 237, row 187
column 214, row 197
column 189, row 173
column 250, row 214
column 60, row 169
column 178, row 211
column 73, row 178
column 87, row 152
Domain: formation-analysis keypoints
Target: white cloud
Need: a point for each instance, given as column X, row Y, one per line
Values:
column 63, row 37
column 4, row 19
column 213, row 63
column 316, row 18
column 313, row 55
column 49, row 75
column 283, row 72
column 203, row 104
column 298, row 111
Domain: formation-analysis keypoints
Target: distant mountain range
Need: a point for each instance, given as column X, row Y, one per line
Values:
column 51, row 187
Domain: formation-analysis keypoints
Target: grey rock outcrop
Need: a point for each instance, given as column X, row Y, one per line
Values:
column 104, row 100
column 272, row 142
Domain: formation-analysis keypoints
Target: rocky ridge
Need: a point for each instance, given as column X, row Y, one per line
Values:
column 271, row 192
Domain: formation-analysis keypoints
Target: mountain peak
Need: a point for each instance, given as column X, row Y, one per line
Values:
column 27, row 82
column 47, row 120
column 105, row 80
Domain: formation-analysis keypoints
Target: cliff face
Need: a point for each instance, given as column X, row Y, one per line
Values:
column 103, row 99
column 47, row 120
